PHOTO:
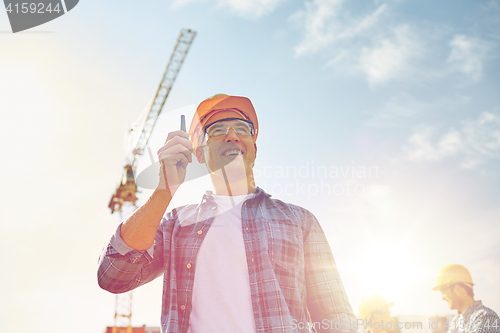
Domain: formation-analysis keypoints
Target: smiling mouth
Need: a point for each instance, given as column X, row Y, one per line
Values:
column 232, row 152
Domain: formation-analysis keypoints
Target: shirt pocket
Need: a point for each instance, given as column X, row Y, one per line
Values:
column 286, row 247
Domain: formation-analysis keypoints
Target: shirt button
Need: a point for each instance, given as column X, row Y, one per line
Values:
column 183, row 307
column 188, row 266
column 200, row 232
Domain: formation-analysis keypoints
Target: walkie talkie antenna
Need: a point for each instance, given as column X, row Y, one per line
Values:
column 183, row 123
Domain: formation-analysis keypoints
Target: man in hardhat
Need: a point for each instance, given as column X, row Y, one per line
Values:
column 375, row 314
column 237, row 262
column 455, row 284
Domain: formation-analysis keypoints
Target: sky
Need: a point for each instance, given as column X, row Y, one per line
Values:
column 380, row 117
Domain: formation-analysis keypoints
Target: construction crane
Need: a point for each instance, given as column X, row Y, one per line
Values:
column 126, row 192
column 127, row 189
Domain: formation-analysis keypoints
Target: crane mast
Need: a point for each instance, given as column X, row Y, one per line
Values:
column 126, row 192
column 127, row 189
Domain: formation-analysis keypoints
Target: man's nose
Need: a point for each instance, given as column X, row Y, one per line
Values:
column 231, row 136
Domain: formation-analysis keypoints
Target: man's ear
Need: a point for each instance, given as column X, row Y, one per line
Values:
column 456, row 289
column 198, row 152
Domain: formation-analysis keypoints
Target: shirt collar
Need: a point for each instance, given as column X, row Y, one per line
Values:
column 472, row 308
column 208, row 196
column 208, row 207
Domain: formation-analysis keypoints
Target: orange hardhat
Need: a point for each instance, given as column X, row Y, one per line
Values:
column 451, row 274
column 372, row 303
column 218, row 107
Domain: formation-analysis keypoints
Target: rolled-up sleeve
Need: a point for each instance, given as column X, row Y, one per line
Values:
column 327, row 300
column 121, row 268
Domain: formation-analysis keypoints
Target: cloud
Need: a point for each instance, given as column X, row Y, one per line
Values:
column 467, row 55
column 245, row 8
column 253, row 8
column 404, row 110
column 361, row 45
column 474, row 142
column 400, row 110
column 388, row 59
column 381, row 46
column 180, row 3
column 318, row 30
column 323, row 24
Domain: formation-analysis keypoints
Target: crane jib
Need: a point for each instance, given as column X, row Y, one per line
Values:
column 127, row 189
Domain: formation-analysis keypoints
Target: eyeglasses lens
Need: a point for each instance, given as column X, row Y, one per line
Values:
column 222, row 128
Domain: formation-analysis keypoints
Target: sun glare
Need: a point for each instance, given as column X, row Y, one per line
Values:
column 389, row 270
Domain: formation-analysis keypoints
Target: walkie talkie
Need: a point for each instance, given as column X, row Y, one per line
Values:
column 183, row 128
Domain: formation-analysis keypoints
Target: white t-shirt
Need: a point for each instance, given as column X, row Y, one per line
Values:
column 221, row 292
column 456, row 324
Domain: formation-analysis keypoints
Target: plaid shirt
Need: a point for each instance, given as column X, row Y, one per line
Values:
column 291, row 268
column 476, row 319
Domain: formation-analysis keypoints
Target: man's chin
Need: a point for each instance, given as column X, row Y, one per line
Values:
column 229, row 162
column 235, row 171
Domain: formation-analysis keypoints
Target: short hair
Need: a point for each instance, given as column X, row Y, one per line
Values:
column 467, row 288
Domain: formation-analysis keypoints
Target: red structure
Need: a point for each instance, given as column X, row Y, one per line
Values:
column 143, row 329
column 124, row 329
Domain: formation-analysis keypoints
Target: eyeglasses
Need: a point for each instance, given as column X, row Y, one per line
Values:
column 450, row 286
column 221, row 128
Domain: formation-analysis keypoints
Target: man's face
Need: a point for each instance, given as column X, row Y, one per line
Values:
column 230, row 145
column 449, row 295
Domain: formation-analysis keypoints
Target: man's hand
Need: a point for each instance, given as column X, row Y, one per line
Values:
column 174, row 157
column 139, row 230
